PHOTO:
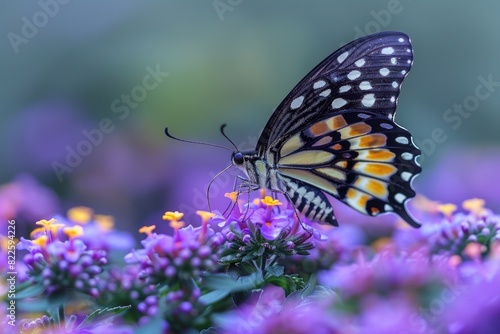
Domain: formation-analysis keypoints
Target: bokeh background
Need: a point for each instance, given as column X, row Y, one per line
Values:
column 67, row 67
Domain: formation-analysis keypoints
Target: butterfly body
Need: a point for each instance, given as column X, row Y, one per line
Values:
column 335, row 133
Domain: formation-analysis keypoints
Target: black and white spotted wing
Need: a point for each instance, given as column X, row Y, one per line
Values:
column 335, row 133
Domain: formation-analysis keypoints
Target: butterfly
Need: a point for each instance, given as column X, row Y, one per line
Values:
column 335, row 133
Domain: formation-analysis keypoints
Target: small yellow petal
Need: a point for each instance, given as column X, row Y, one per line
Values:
column 205, row 215
column 38, row 230
column 447, row 209
column 55, row 227
column 169, row 215
column 176, row 224
column 474, row 205
column 105, row 222
column 73, row 232
column 46, row 223
column 40, row 241
column 147, row 229
column 80, row 214
column 233, row 196
column 269, row 201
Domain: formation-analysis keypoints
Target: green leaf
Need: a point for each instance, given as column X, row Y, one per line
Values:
column 30, row 291
column 227, row 283
column 284, row 282
column 275, row 270
column 228, row 259
column 213, row 296
column 102, row 314
column 211, row 330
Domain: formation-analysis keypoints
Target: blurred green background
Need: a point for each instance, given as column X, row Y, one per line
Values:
column 66, row 64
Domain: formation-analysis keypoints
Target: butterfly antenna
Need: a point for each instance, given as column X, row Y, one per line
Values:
column 210, row 185
column 196, row 142
column 225, row 136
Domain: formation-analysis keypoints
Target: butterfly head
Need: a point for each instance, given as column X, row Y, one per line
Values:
column 238, row 159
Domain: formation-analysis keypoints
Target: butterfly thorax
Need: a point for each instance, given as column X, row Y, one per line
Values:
column 259, row 172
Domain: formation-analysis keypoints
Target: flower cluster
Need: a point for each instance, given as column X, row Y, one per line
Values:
column 261, row 229
column 267, row 270
column 61, row 265
column 461, row 234
column 176, row 263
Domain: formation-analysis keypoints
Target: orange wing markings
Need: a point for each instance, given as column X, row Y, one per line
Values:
column 355, row 130
column 376, row 154
column 372, row 186
column 379, row 170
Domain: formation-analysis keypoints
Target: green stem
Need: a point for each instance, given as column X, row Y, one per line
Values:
column 62, row 318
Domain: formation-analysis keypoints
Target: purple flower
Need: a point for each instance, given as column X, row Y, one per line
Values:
column 269, row 312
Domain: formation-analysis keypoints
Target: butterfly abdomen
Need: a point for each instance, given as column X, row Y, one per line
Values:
column 309, row 201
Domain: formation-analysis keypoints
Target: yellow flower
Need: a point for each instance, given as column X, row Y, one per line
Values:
column 474, row 205
column 80, row 214
column 73, row 232
column 269, row 201
column 46, row 223
column 41, row 241
column 105, row 222
column 169, row 215
column 147, row 229
column 205, row 215
column 447, row 209
column 233, row 196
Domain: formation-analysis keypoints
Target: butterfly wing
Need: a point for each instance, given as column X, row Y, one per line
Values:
column 313, row 149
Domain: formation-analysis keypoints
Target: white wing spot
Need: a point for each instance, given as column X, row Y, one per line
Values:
column 408, row 50
column 403, row 72
column 406, row 155
column 384, row 71
column 354, row 75
column 393, row 99
column 393, row 61
column 388, row 208
column 365, row 85
column 399, row 197
column 297, row 102
column 386, row 126
column 344, row 88
column 342, row 57
column 325, row 93
column 319, row 84
column 406, row 176
column 368, row 100
column 402, row 140
column 409, row 61
column 387, row 51
column 338, row 103
column 362, row 115
column 360, row 62
column 401, row 40
column 394, row 84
